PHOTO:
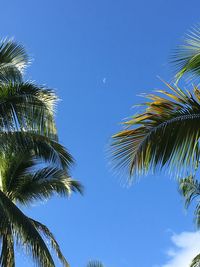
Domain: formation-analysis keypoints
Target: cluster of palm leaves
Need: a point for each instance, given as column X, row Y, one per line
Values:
column 33, row 164
column 167, row 134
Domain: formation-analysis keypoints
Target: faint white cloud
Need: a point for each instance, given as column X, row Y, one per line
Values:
column 186, row 246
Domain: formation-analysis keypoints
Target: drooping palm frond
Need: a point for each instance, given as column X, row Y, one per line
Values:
column 41, row 146
column 42, row 185
column 187, row 56
column 25, row 232
column 95, row 264
column 47, row 233
column 166, row 134
column 196, row 261
column 190, row 188
column 13, row 60
column 7, row 250
column 27, row 106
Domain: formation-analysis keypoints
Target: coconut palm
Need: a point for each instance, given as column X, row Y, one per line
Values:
column 166, row 135
column 23, row 104
column 33, row 165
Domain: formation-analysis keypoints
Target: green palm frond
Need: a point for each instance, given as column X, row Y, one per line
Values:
column 190, row 188
column 27, row 106
column 7, row 250
column 47, row 233
column 13, row 60
column 42, row 185
column 95, row 264
column 196, row 261
column 187, row 57
column 166, row 134
column 25, row 232
column 12, row 143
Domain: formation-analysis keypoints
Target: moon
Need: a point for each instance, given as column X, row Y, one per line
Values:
column 104, row 80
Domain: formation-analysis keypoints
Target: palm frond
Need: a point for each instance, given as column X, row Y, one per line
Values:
column 26, row 233
column 186, row 58
column 13, row 61
column 42, row 185
column 40, row 146
column 190, row 189
column 13, row 167
column 27, row 106
column 47, row 233
column 95, row 264
column 166, row 134
column 7, row 250
column 196, row 261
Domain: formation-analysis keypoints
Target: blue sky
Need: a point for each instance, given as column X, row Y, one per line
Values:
column 99, row 56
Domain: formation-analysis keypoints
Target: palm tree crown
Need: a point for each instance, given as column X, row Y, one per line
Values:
column 33, row 164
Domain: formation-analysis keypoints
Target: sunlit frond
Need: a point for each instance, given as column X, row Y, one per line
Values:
column 27, row 106
column 166, row 134
column 187, row 56
column 26, row 233
column 42, row 185
column 41, row 146
column 13, row 60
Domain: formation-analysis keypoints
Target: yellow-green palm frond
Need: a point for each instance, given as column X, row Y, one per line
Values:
column 186, row 58
column 165, row 134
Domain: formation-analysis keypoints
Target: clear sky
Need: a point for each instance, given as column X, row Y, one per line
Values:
column 99, row 56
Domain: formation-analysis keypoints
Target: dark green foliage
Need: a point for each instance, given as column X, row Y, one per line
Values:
column 33, row 164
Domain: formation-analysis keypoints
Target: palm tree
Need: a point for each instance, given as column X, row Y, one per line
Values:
column 33, row 165
column 166, row 135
